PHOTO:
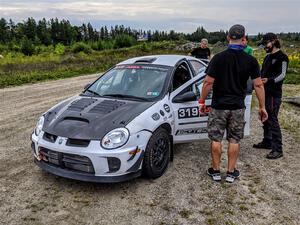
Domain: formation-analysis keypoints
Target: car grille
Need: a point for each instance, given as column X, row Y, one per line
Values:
column 77, row 142
column 67, row 161
column 70, row 142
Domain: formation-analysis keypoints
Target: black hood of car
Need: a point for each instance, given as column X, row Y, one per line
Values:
column 91, row 118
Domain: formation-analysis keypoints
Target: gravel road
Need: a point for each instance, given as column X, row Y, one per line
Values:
column 267, row 193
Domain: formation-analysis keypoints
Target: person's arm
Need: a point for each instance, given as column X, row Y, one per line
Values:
column 207, row 86
column 250, row 51
column 193, row 52
column 279, row 77
column 260, row 94
column 209, row 54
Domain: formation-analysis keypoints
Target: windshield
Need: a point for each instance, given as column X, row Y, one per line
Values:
column 131, row 81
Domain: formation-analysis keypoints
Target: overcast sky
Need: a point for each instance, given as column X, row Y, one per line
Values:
column 180, row 15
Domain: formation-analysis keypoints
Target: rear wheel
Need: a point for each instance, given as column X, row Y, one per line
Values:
column 157, row 154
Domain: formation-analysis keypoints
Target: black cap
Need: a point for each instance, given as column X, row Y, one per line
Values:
column 236, row 32
column 266, row 38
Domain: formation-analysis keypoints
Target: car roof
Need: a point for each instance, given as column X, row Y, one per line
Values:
column 166, row 60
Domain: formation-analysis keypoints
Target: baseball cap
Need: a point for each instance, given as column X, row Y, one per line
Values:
column 266, row 38
column 236, row 32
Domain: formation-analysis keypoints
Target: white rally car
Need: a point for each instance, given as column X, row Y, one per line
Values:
column 126, row 122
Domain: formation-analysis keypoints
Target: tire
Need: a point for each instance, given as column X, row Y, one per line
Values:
column 157, row 154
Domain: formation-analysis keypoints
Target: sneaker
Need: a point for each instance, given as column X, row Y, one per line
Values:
column 262, row 145
column 274, row 155
column 214, row 174
column 231, row 176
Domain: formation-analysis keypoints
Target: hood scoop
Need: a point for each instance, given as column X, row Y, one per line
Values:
column 83, row 120
column 107, row 106
column 81, row 104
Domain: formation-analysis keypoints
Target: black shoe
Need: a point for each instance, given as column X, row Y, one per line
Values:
column 262, row 145
column 214, row 174
column 231, row 176
column 274, row 155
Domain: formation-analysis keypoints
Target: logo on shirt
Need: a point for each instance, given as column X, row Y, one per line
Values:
column 274, row 61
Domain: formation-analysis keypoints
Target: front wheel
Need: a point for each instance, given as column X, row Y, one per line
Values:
column 157, row 154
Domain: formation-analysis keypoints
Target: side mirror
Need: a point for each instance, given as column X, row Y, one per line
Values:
column 185, row 97
column 86, row 86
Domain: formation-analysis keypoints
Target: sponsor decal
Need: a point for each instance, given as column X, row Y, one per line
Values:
column 191, row 131
column 192, row 112
column 155, row 116
column 167, row 108
column 161, row 112
column 141, row 67
column 153, row 93
column 127, row 67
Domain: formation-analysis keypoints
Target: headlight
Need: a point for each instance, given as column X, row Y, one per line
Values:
column 39, row 126
column 116, row 138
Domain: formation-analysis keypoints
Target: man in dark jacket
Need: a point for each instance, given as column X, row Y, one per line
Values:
column 273, row 72
column 227, row 74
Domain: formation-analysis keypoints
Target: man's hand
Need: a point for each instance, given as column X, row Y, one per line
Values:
column 264, row 80
column 202, row 107
column 263, row 115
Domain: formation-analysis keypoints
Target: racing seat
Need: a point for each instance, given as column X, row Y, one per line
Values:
column 130, row 82
column 180, row 77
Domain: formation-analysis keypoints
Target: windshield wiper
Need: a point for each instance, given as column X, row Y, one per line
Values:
column 126, row 96
column 93, row 92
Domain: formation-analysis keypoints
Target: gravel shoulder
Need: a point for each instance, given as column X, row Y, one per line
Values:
column 267, row 193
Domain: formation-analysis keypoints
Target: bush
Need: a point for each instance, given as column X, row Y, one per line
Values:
column 108, row 44
column 39, row 49
column 81, row 47
column 59, row 49
column 145, row 47
column 97, row 46
column 124, row 41
column 27, row 47
column 12, row 46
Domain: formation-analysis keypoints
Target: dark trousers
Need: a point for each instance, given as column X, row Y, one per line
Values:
column 272, row 132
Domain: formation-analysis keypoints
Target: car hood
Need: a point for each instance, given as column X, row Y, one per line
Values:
column 91, row 118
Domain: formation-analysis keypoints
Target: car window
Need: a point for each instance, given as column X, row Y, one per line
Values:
column 197, row 66
column 196, row 87
column 181, row 75
column 141, row 81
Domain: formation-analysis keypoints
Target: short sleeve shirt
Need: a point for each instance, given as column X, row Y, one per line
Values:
column 231, row 69
column 201, row 53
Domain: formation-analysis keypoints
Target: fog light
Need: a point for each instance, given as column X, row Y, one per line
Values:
column 113, row 164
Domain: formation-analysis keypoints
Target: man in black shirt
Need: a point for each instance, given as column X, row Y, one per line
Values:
column 227, row 74
column 273, row 72
column 202, row 52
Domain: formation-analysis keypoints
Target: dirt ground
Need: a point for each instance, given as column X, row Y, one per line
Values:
column 268, row 192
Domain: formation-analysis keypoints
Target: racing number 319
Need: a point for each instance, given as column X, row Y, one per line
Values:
column 190, row 112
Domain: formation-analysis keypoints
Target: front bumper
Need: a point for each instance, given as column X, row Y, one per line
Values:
column 84, row 176
column 90, row 163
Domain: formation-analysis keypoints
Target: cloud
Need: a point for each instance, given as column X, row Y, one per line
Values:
column 180, row 15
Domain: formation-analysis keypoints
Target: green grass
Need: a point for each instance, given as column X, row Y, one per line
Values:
column 20, row 69
column 17, row 69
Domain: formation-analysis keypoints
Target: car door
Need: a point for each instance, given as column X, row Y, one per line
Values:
column 189, row 125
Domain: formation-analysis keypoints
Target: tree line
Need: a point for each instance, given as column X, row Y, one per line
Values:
column 54, row 31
